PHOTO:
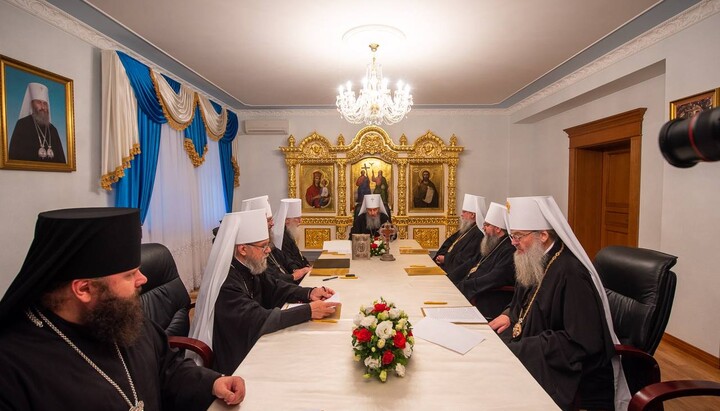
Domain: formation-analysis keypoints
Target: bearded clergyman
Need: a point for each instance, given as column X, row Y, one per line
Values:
column 372, row 215
column 34, row 138
column 464, row 244
column 285, row 234
column 480, row 278
column 72, row 331
column 557, row 322
column 238, row 303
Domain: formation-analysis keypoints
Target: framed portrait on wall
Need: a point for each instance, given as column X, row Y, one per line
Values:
column 689, row 106
column 371, row 175
column 37, row 126
column 427, row 182
column 317, row 188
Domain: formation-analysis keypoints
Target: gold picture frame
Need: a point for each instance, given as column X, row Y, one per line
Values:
column 426, row 192
column 689, row 106
column 317, row 188
column 37, row 129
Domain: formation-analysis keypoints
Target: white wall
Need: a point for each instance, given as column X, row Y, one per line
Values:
column 26, row 193
column 678, row 207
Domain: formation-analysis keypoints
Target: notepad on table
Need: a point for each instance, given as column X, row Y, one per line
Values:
column 331, row 263
column 329, row 271
column 460, row 315
column 435, row 270
column 444, row 334
column 413, row 251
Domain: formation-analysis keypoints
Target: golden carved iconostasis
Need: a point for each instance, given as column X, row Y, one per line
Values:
column 417, row 182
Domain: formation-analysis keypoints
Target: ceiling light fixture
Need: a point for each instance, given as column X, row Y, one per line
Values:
column 374, row 105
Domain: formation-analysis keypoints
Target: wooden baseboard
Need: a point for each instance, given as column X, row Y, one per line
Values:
column 691, row 350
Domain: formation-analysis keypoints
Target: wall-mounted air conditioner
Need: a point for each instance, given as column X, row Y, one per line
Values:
column 266, row 126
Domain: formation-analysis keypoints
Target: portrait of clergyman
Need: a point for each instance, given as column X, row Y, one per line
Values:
column 317, row 188
column 37, row 128
column 426, row 187
column 371, row 175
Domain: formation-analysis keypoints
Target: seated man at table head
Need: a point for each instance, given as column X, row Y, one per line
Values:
column 371, row 216
column 72, row 330
column 464, row 244
column 479, row 278
column 557, row 322
column 278, row 265
column 285, row 235
column 238, row 302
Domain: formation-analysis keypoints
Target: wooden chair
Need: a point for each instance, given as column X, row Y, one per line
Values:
column 651, row 397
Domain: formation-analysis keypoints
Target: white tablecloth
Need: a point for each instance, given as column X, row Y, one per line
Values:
column 310, row 366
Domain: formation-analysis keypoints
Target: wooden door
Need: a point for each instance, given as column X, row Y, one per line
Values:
column 604, row 188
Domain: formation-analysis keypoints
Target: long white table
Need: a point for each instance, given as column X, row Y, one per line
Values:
column 310, row 366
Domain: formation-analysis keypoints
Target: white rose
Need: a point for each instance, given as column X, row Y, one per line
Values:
column 394, row 313
column 368, row 310
column 384, row 329
column 400, row 370
column 381, row 343
column 358, row 318
column 372, row 363
column 368, row 321
column 407, row 351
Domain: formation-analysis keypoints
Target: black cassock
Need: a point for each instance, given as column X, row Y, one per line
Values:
column 466, row 247
column 565, row 339
column 40, row 371
column 495, row 270
column 293, row 256
column 247, row 307
column 360, row 225
column 24, row 144
column 278, row 267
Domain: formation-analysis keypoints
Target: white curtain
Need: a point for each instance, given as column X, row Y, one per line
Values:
column 186, row 204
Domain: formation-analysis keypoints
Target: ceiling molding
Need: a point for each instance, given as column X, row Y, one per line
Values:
column 684, row 19
column 694, row 14
column 320, row 112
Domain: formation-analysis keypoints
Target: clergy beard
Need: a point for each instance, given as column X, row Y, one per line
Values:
column 41, row 117
column 488, row 243
column 465, row 225
column 529, row 266
column 115, row 319
column 256, row 266
column 372, row 223
column 294, row 231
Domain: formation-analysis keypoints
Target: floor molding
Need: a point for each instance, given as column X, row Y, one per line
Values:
column 692, row 351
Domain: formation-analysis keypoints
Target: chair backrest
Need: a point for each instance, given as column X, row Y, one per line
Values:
column 164, row 297
column 640, row 288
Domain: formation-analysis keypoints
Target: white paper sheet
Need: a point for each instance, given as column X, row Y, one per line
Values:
column 448, row 335
column 338, row 246
column 463, row 315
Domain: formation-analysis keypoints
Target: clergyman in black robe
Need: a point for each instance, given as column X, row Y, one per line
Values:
column 459, row 248
column 78, row 292
column 360, row 225
column 479, row 278
column 279, row 268
column 247, row 307
column 291, row 251
column 565, row 343
column 25, row 142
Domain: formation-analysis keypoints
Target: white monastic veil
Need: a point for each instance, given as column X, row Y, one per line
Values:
column 278, row 229
column 215, row 274
column 555, row 217
column 34, row 91
column 375, row 201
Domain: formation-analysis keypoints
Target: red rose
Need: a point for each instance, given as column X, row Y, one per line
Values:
column 399, row 340
column 387, row 357
column 373, row 245
column 362, row 335
column 380, row 307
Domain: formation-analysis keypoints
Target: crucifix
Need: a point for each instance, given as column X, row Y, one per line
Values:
column 366, row 168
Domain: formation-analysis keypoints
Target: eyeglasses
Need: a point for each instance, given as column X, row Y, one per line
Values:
column 519, row 236
column 262, row 247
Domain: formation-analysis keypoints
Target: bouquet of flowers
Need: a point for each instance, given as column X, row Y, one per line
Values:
column 382, row 339
column 378, row 247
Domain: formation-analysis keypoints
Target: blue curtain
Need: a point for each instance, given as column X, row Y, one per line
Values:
column 135, row 189
column 226, row 169
column 196, row 132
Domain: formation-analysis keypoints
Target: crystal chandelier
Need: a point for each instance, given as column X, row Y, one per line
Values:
column 375, row 105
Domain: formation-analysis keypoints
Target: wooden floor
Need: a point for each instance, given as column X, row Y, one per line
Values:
column 676, row 365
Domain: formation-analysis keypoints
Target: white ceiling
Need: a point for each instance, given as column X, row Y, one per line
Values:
column 290, row 53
